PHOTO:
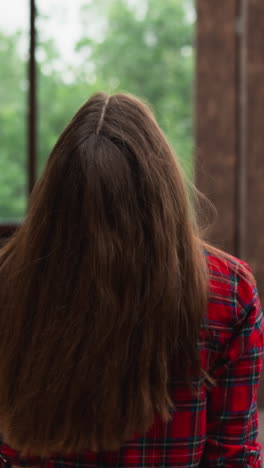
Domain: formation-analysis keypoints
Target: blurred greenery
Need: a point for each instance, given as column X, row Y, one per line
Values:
column 144, row 47
column 12, row 129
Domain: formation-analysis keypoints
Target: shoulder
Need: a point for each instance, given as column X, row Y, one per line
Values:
column 232, row 291
column 234, row 325
column 230, row 279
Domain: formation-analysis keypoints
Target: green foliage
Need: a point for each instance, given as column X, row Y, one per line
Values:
column 63, row 101
column 12, row 130
column 144, row 47
column 59, row 97
column 148, row 51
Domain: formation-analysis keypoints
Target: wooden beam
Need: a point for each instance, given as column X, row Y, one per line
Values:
column 229, row 127
column 255, row 143
column 216, row 116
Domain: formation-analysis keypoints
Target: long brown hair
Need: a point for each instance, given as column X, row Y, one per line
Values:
column 102, row 288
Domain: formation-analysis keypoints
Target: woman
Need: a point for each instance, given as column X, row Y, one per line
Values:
column 125, row 340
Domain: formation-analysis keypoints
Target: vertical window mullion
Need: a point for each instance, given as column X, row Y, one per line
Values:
column 32, row 102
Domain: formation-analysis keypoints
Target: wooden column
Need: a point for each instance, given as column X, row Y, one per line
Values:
column 216, row 114
column 255, row 138
column 255, row 163
column 230, row 126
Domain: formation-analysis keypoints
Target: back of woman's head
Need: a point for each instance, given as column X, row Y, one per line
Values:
column 102, row 289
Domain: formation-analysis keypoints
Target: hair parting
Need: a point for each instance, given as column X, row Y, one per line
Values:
column 100, row 123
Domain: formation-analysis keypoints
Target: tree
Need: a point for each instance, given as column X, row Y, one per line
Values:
column 144, row 47
column 147, row 49
column 12, row 130
column 57, row 101
column 60, row 94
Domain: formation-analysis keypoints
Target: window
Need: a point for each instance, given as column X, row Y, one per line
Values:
column 14, row 32
column 144, row 47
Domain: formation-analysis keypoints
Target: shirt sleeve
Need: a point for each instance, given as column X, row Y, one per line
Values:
column 232, row 415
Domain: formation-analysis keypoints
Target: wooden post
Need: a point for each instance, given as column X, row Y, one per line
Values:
column 230, row 128
column 255, row 138
column 216, row 115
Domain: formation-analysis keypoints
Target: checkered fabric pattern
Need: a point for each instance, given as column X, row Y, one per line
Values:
column 215, row 427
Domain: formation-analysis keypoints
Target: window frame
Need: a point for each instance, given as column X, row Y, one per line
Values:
column 6, row 229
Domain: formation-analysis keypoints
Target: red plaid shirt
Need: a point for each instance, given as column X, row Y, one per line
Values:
column 216, row 427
